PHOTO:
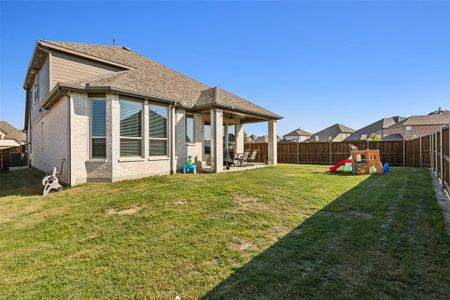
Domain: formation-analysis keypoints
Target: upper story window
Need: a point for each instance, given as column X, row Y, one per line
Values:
column 36, row 88
column 189, row 128
column 158, row 126
column 98, row 128
column 130, row 128
column 408, row 128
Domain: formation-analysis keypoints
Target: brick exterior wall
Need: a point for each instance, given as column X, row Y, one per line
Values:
column 71, row 139
column 49, row 139
column 416, row 130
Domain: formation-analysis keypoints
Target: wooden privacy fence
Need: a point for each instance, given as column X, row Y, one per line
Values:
column 431, row 151
column 439, row 155
column 328, row 153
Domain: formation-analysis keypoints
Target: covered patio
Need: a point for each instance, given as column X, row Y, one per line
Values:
column 223, row 139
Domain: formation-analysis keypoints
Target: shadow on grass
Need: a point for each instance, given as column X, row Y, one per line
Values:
column 352, row 248
column 25, row 182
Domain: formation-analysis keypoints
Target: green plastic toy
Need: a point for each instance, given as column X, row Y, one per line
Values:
column 348, row 167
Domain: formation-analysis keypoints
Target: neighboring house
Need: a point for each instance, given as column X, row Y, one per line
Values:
column 251, row 138
column 11, row 140
column 417, row 126
column 113, row 114
column 264, row 139
column 334, row 133
column 377, row 128
column 298, row 135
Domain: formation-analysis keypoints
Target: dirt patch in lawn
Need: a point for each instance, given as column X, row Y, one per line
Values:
column 237, row 244
column 248, row 202
column 128, row 211
column 346, row 214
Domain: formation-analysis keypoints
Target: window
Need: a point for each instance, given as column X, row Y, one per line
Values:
column 98, row 128
column 408, row 128
column 36, row 88
column 158, row 120
column 189, row 128
column 207, row 138
column 130, row 128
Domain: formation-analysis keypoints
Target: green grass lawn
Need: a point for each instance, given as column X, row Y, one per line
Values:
column 289, row 231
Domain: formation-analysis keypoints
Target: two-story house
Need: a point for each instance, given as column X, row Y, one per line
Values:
column 420, row 125
column 334, row 133
column 111, row 114
column 296, row 136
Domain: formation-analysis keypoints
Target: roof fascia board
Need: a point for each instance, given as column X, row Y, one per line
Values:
column 37, row 48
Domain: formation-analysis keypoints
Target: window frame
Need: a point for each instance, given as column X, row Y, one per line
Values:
column 207, row 123
column 91, row 136
column 141, row 138
column 191, row 115
column 168, row 121
column 36, row 88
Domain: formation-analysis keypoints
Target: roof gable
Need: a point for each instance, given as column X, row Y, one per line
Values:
column 297, row 132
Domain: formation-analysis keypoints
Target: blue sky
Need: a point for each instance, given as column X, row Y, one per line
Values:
column 315, row 63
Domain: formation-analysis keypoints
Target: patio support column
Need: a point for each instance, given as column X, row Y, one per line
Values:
column 113, row 132
column 272, row 151
column 216, row 140
column 239, row 137
column 172, row 122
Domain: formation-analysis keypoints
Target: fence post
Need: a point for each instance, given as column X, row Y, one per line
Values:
column 404, row 153
column 448, row 159
column 296, row 154
column 441, row 163
column 431, row 151
column 329, row 145
column 436, row 154
column 420, row 151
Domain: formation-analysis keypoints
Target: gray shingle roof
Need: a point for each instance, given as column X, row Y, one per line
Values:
column 393, row 137
column 297, row 132
column 434, row 119
column 12, row 132
column 152, row 79
column 376, row 127
column 332, row 131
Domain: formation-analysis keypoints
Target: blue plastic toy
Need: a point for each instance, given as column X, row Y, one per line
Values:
column 190, row 166
column 386, row 168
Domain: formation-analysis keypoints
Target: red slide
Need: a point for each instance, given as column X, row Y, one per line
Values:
column 341, row 163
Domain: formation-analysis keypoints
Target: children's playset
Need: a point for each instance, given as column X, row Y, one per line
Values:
column 362, row 162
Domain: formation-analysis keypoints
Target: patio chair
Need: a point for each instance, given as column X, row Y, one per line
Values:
column 228, row 159
column 243, row 158
column 252, row 158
